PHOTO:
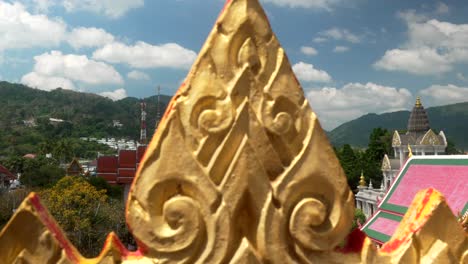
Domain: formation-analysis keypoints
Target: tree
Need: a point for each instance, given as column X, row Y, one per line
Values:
column 9, row 201
column 350, row 164
column 14, row 164
column 452, row 149
column 359, row 218
column 379, row 145
column 63, row 150
column 85, row 213
column 40, row 172
column 101, row 184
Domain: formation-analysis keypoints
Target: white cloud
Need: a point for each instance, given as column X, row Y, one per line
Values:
column 21, row 29
column 340, row 49
column 416, row 61
column 42, row 5
column 77, row 68
column 56, row 69
column 310, row 51
column 320, row 40
column 109, row 8
column 442, row 9
column 312, row 4
column 115, row 95
column 89, row 37
column 138, row 75
column 337, row 34
column 335, row 106
column 445, row 94
column 433, row 46
column 144, row 55
column 461, row 77
column 47, row 83
column 308, row 73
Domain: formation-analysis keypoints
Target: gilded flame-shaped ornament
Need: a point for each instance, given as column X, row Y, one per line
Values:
column 240, row 164
column 239, row 171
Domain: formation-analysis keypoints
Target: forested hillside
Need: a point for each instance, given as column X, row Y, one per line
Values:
column 452, row 119
column 84, row 115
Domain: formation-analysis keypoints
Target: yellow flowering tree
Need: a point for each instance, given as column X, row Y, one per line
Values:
column 85, row 213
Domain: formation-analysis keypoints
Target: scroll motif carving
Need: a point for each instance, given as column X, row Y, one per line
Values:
column 240, row 171
column 430, row 138
column 251, row 137
column 396, row 140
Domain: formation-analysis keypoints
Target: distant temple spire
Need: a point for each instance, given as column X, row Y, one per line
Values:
column 362, row 182
column 143, row 139
column 418, row 102
column 418, row 121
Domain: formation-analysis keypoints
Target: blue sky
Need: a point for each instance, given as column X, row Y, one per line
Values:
column 352, row 56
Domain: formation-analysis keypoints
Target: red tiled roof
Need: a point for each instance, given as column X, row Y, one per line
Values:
column 140, row 152
column 30, row 156
column 107, row 164
column 121, row 169
column 111, row 178
column 127, row 159
column 9, row 175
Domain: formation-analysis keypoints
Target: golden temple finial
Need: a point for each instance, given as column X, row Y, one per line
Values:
column 362, row 181
column 418, row 102
column 238, row 171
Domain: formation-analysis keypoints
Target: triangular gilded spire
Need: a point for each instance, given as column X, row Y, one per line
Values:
column 239, row 154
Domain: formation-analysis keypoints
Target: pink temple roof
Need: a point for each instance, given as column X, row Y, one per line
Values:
column 447, row 174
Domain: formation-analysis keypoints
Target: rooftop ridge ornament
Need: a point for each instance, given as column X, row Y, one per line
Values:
column 362, row 181
column 240, row 171
column 418, row 102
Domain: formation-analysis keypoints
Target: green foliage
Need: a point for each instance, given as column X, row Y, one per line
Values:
column 9, row 201
column 359, row 217
column 40, row 172
column 452, row 149
column 355, row 161
column 101, row 184
column 379, row 145
column 85, row 115
column 86, row 214
column 351, row 165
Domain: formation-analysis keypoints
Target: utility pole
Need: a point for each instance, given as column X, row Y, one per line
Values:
column 143, row 123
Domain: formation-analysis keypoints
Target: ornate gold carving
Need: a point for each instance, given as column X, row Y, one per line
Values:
column 396, row 140
column 239, row 171
column 240, row 142
column 362, row 180
column 428, row 233
column 386, row 166
column 430, row 138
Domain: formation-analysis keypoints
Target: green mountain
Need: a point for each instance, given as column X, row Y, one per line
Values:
column 452, row 119
column 84, row 115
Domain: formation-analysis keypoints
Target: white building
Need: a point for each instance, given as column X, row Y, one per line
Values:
column 419, row 138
